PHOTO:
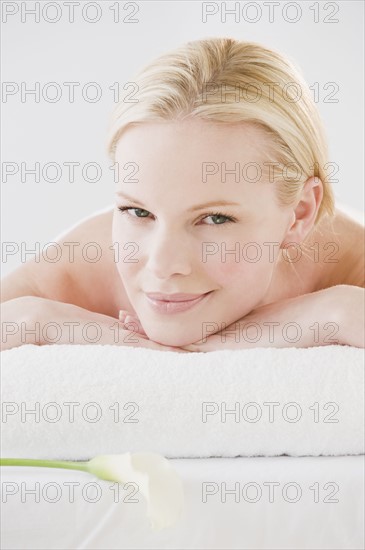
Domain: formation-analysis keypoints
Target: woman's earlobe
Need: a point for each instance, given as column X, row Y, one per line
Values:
column 289, row 228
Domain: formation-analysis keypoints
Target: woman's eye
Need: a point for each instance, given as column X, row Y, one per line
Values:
column 217, row 217
column 137, row 211
column 220, row 219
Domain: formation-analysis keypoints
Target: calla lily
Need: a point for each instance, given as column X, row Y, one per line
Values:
column 156, row 479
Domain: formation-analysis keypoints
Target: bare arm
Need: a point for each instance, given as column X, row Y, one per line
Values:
column 13, row 314
column 354, row 315
column 71, row 279
column 39, row 321
column 332, row 316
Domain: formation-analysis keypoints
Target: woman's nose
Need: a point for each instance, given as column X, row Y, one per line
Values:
column 169, row 255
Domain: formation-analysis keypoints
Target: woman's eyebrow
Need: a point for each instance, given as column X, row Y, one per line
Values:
column 197, row 207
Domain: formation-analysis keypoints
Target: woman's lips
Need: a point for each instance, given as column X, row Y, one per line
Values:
column 175, row 302
column 177, row 297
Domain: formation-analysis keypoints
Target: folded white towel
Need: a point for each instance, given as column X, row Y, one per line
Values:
column 91, row 399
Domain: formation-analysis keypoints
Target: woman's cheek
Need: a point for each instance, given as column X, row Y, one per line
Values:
column 127, row 249
column 128, row 269
column 242, row 284
column 230, row 269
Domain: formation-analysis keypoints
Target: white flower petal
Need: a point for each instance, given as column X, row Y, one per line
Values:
column 156, row 479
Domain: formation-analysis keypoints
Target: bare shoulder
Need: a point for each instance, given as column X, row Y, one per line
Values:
column 95, row 282
column 84, row 274
column 348, row 235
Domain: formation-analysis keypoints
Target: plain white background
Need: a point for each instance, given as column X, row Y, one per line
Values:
column 107, row 52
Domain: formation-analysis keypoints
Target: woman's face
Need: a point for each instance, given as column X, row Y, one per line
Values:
column 197, row 224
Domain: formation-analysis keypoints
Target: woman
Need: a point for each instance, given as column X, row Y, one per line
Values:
column 224, row 233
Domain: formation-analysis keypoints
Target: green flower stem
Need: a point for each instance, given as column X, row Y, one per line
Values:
column 83, row 466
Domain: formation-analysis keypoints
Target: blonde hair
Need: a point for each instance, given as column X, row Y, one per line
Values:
column 180, row 85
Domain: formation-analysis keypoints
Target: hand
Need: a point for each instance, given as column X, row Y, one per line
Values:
column 132, row 322
column 310, row 320
column 54, row 322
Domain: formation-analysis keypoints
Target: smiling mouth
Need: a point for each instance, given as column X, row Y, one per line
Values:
column 176, row 306
column 177, row 297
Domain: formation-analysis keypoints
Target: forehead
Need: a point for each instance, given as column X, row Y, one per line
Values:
column 193, row 139
column 189, row 161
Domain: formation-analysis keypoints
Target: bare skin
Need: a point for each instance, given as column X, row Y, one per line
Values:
column 170, row 237
column 76, row 283
column 309, row 276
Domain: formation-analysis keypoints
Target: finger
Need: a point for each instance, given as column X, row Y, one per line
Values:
column 135, row 324
column 191, row 347
column 171, row 348
column 122, row 315
column 179, row 350
column 125, row 317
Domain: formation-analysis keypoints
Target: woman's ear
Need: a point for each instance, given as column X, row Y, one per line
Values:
column 305, row 213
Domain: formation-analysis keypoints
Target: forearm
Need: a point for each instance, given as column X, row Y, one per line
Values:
column 26, row 320
column 13, row 314
column 310, row 320
column 39, row 321
column 331, row 316
column 353, row 309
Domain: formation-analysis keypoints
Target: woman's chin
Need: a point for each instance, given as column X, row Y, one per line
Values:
column 172, row 339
